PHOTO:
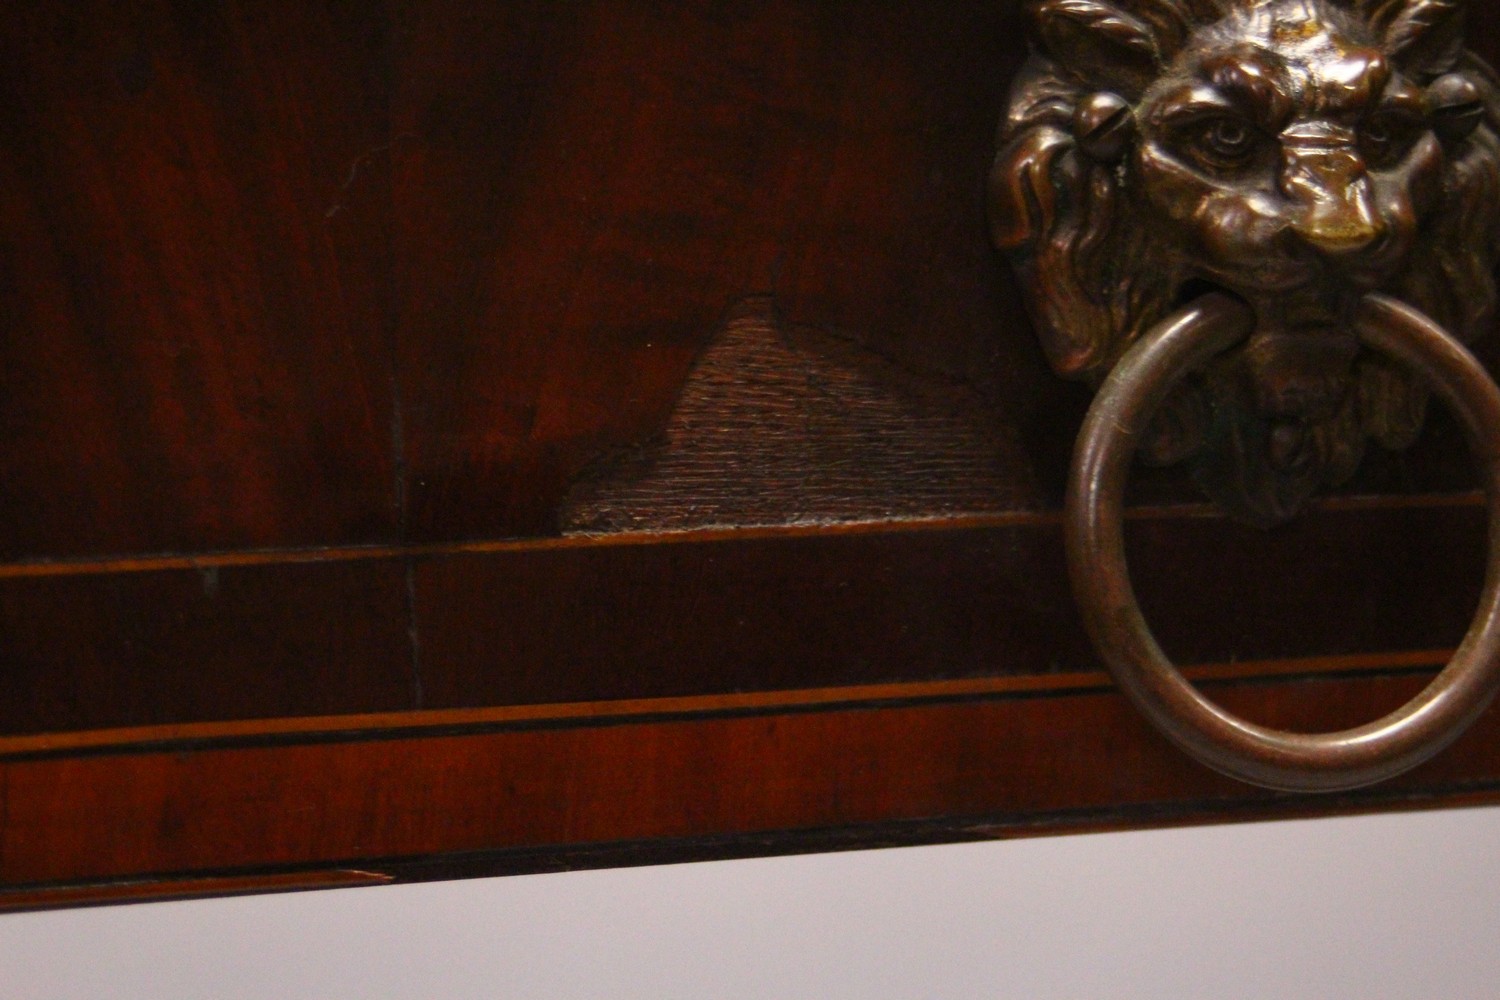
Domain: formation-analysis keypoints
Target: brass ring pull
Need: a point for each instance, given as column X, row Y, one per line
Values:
column 1096, row 559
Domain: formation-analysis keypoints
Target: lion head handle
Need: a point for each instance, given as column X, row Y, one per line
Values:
column 1296, row 153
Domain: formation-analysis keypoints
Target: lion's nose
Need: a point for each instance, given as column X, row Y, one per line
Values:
column 1333, row 204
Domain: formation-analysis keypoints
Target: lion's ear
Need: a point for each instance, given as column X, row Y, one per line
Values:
column 1425, row 37
column 1108, row 47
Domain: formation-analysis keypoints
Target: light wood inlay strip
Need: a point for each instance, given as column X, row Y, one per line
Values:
column 627, row 710
column 191, row 888
column 28, row 569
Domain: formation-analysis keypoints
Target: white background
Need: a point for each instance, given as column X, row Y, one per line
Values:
column 1392, row 906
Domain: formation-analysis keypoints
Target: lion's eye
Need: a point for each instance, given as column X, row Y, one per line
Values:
column 1229, row 137
column 1225, row 143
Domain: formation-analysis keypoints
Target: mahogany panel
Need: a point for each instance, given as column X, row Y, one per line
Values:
column 308, row 275
column 276, row 272
column 585, row 199
column 192, row 265
column 988, row 767
column 245, row 636
column 582, row 193
column 150, row 648
column 1340, row 579
column 830, row 607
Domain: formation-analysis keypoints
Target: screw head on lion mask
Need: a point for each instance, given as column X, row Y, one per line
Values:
column 1298, row 154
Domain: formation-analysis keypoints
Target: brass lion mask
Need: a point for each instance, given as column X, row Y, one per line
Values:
column 1298, row 154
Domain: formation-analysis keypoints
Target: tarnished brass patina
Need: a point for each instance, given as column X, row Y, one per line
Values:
column 1264, row 230
column 1147, row 375
column 1296, row 154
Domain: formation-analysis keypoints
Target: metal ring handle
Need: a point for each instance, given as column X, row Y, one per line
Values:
column 1101, row 581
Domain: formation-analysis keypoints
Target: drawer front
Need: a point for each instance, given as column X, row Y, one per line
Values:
column 443, row 441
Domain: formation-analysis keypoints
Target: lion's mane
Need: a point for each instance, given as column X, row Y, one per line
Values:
column 1090, row 262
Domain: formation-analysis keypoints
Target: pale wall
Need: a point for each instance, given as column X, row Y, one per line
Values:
column 1393, row 906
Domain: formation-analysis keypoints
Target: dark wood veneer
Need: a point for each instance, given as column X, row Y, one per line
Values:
column 194, row 353
column 990, row 765
column 157, row 642
column 345, row 343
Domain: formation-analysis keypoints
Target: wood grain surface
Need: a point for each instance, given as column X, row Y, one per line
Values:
column 380, row 382
column 976, row 767
column 288, row 274
column 589, row 194
column 194, row 353
column 153, row 642
column 110, row 649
